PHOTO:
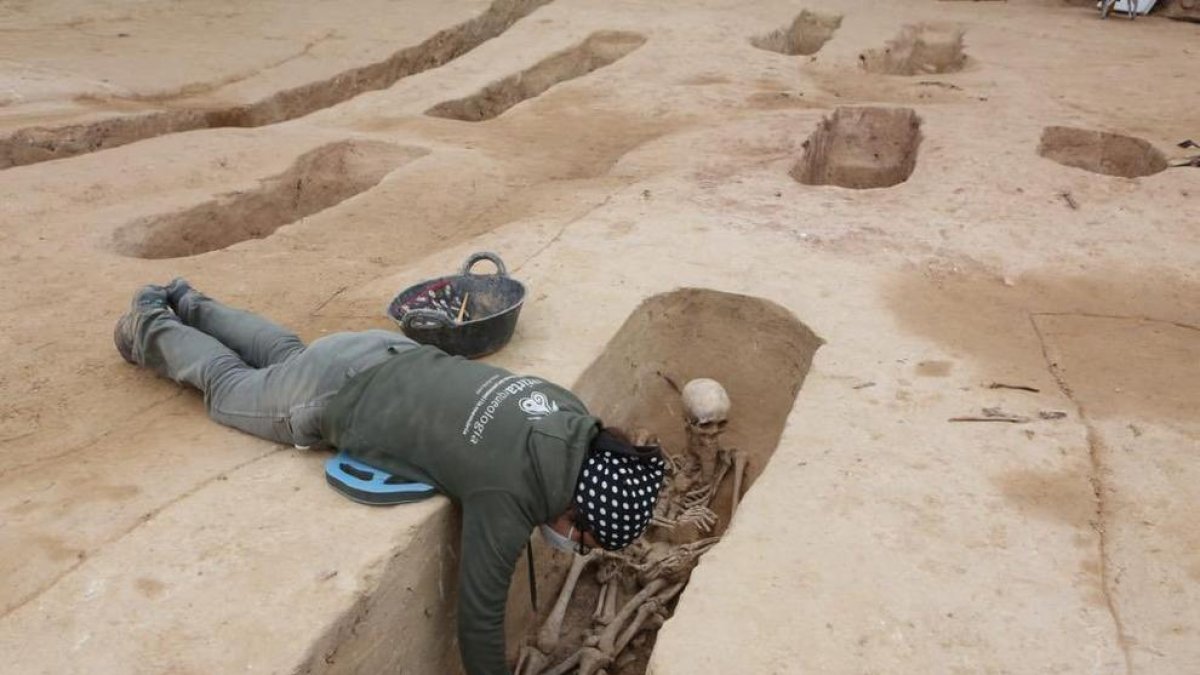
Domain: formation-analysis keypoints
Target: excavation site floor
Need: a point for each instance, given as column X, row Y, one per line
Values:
column 938, row 253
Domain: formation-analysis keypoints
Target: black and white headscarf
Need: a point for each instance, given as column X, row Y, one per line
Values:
column 615, row 496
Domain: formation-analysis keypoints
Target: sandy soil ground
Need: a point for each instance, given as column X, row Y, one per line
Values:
column 947, row 194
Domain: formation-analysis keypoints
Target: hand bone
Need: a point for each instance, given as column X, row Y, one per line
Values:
column 702, row 517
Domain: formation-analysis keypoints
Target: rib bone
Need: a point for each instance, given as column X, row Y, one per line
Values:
column 703, row 495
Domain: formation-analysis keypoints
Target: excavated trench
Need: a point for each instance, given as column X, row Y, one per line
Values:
column 318, row 180
column 756, row 349
column 600, row 49
column 1101, row 152
column 861, row 148
column 806, row 35
column 919, row 49
column 40, row 144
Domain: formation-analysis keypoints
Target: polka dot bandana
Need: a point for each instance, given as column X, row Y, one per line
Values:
column 615, row 496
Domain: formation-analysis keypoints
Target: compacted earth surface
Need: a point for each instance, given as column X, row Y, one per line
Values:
column 940, row 254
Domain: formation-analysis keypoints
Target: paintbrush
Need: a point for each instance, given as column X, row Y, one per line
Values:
column 462, row 309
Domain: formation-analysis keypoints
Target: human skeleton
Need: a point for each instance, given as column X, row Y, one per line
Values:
column 654, row 570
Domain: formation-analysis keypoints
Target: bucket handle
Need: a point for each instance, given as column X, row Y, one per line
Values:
column 425, row 319
column 501, row 270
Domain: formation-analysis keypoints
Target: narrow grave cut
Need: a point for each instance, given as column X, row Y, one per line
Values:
column 919, row 49
column 806, row 35
column 861, row 148
column 597, row 51
column 319, row 179
column 39, row 144
column 1101, row 152
column 759, row 353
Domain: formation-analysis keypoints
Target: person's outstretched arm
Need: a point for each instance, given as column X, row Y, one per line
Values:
column 494, row 531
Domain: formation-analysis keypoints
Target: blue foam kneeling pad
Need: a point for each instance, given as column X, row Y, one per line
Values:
column 368, row 485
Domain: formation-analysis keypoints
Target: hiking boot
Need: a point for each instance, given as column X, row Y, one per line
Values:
column 148, row 302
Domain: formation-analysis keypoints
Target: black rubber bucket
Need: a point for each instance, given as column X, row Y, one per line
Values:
column 488, row 304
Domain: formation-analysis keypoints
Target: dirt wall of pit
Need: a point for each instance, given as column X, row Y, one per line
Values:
column 1185, row 10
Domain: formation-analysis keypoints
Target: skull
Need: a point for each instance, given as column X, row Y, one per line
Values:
column 706, row 406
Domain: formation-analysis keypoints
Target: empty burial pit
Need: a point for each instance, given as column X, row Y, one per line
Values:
column 1101, row 152
column 597, row 51
column 319, row 179
column 39, row 144
column 919, row 49
column 807, row 33
column 760, row 353
column 861, row 148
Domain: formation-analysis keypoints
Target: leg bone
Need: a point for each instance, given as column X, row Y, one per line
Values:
column 609, row 637
column 653, row 606
column 592, row 661
column 548, row 636
column 610, row 603
column 568, row 665
column 530, row 662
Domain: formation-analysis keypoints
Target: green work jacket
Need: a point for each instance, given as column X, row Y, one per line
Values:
column 508, row 448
